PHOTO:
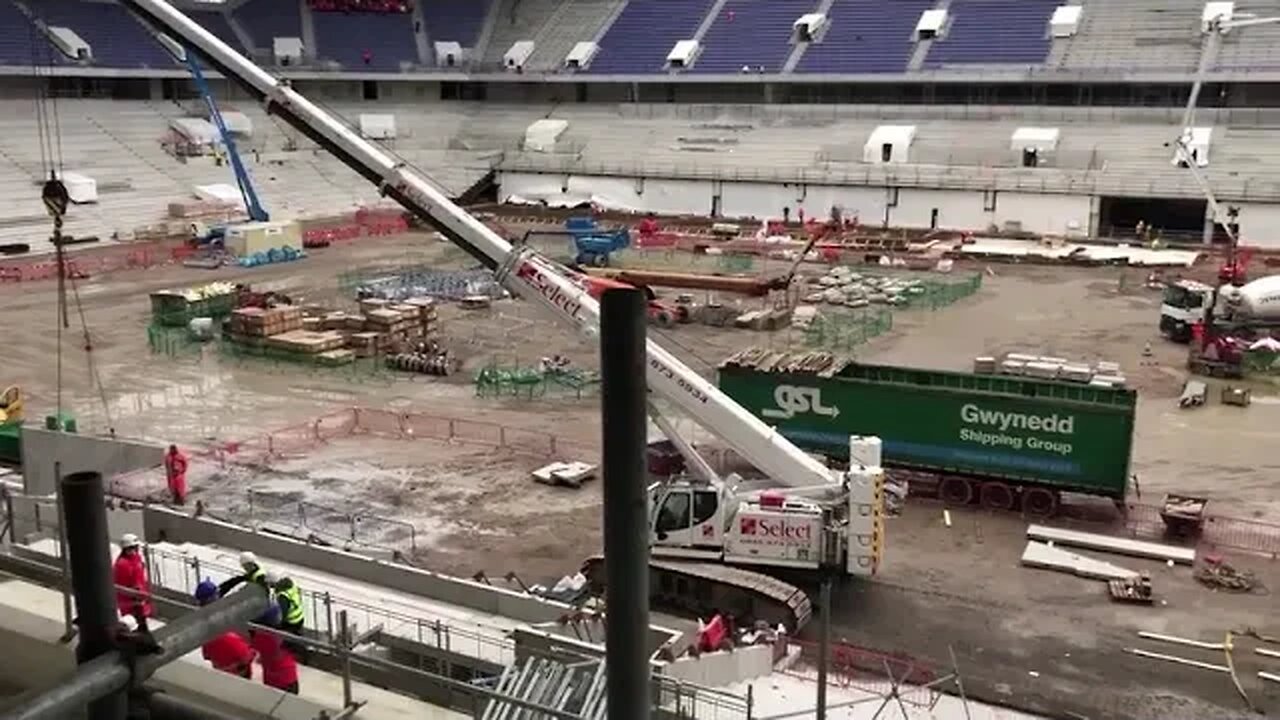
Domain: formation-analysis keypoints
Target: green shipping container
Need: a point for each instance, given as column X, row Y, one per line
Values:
column 1069, row 436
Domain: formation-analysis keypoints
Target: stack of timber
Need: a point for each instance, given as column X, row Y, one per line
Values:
column 822, row 364
column 318, row 334
column 251, row 325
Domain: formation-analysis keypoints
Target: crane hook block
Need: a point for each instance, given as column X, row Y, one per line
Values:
column 55, row 197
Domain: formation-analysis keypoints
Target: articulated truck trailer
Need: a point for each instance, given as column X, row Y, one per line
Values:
column 1004, row 441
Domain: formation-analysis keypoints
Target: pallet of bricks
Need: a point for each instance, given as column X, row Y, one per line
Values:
column 282, row 332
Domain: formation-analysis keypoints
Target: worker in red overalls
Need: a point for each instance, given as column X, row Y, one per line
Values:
column 229, row 652
column 175, row 470
column 130, row 572
column 279, row 668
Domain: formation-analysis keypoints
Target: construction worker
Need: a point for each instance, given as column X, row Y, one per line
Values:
column 130, row 572
column 252, row 572
column 175, row 470
column 279, row 668
column 289, row 598
column 229, row 652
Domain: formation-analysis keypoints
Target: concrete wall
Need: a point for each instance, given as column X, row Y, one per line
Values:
column 36, row 516
column 718, row 669
column 42, row 448
column 164, row 525
column 1259, row 224
column 957, row 209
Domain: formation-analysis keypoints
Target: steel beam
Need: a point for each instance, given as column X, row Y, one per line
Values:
column 109, row 674
column 626, row 531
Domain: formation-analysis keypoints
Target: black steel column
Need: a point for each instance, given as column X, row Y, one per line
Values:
column 89, row 551
column 626, row 532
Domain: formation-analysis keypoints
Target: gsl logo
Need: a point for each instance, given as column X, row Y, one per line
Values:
column 792, row 401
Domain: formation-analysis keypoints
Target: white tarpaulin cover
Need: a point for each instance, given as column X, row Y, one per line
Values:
column 81, row 188
column 196, row 130
column 378, row 126
column 218, row 192
column 541, row 136
column 237, row 122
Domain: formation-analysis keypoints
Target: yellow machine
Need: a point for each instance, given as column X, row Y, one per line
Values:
column 11, row 404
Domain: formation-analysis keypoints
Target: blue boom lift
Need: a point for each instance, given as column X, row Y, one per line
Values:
column 593, row 245
column 251, row 204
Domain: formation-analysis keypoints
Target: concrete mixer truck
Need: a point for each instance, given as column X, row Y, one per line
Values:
column 1250, row 307
column 1220, row 323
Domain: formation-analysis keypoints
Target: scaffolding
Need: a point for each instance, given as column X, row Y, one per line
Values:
column 419, row 281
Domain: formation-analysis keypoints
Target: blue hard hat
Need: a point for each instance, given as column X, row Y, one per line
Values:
column 206, row 590
column 270, row 617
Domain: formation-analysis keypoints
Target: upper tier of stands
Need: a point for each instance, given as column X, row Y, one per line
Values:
column 635, row 36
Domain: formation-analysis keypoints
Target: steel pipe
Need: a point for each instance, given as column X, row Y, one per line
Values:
column 109, row 674
column 626, row 531
column 88, row 556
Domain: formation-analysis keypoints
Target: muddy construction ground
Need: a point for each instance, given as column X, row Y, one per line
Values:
column 451, row 488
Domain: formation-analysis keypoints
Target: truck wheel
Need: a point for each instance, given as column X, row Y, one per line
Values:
column 956, row 491
column 663, row 319
column 1040, row 502
column 996, row 496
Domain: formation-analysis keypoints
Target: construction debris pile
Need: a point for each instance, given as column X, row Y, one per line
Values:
column 1222, row 576
column 1043, row 367
column 408, row 331
column 842, row 286
column 822, row 364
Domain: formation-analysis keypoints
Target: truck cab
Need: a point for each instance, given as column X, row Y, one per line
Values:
column 1185, row 303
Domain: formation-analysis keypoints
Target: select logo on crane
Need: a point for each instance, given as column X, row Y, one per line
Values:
column 791, row 401
column 544, row 282
column 776, row 530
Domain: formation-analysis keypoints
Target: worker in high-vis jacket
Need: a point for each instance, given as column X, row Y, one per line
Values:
column 289, row 598
column 251, row 571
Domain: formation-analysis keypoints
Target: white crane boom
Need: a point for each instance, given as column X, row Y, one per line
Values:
column 521, row 270
column 1217, row 28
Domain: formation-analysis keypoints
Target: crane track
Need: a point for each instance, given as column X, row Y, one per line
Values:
column 705, row 588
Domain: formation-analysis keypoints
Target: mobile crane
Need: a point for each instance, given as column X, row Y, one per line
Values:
column 706, row 533
column 1188, row 303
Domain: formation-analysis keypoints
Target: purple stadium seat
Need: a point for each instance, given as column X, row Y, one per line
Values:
column 994, row 32
column 345, row 37
column 638, row 42
column 20, row 42
column 454, row 20
column 116, row 37
column 266, row 20
column 751, row 33
column 866, row 36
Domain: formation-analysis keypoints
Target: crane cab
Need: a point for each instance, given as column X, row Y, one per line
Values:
column 686, row 518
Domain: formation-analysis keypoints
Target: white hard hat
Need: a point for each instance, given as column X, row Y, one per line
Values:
column 129, row 540
column 248, row 558
column 271, row 578
column 130, row 623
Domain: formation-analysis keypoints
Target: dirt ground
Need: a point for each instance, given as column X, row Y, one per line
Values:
column 1034, row 639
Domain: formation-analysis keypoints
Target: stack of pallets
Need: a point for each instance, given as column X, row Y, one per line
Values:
column 253, row 325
